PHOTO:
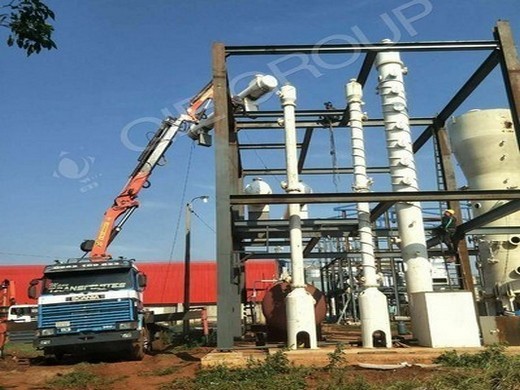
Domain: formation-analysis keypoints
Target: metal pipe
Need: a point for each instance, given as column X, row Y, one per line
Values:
column 299, row 303
column 372, row 302
column 403, row 171
column 362, row 47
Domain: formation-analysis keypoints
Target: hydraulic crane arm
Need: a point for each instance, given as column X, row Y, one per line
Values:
column 126, row 202
column 200, row 124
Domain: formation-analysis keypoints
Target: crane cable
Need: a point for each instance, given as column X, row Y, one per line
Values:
column 179, row 215
column 333, row 154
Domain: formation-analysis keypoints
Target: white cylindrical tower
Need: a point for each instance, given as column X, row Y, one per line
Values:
column 485, row 146
column 299, row 302
column 372, row 302
column 258, row 187
column 403, row 171
column 304, row 208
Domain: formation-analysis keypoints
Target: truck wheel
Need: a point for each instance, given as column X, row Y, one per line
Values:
column 137, row 348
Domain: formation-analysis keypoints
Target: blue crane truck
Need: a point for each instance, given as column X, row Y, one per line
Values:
column 90, row 307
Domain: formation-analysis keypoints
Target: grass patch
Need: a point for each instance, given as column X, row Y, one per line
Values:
column 488, row 369
column 80, row 378
column 161, row 371
column 21, row 350
column 491, row 356
column 274, row 373
column 336, row 358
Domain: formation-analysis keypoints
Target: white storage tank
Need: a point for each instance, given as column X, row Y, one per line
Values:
column 258, row 187
column 485, row 146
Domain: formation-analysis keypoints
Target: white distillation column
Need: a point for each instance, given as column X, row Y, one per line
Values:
column 402, row 170
column 299, row 303
column 484, row 144
column 373, row 305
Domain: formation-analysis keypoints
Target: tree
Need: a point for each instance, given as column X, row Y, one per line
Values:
column 27, row 21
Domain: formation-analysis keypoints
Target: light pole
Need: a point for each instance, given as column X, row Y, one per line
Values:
column 187, row 259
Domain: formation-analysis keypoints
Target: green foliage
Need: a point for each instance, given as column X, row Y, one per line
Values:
column 488, row 369
column 413, row 384
column 272, row 374
column 336, row 358
column 459, row 379
column 161, row 371
column 340, row 381
column 21, row 349
column 28, row 22
column 278, row 363
column 79, row 379
column 491, row 356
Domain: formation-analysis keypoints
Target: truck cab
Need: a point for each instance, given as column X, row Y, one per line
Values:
column 23, row 313
column 87, row 307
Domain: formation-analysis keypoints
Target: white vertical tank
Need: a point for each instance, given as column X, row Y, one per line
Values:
column 484, row 144
column 258, row 187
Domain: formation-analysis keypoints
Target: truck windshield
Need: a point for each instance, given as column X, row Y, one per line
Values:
column 84, row 282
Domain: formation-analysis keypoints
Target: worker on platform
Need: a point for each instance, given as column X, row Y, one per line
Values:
column 446, row 230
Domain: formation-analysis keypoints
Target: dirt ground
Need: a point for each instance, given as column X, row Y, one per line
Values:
column 16, row 372
column 20, row 371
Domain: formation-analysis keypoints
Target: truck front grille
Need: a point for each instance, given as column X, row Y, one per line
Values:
column 76, row 317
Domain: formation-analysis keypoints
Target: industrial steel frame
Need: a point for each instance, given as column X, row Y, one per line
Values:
column 234, row 232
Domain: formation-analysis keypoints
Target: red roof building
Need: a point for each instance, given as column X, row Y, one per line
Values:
column 166, row 281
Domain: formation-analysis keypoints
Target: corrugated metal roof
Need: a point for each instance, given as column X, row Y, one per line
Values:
column 165, row 280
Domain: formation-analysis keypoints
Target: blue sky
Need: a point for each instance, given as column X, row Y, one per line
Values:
column 73, row 118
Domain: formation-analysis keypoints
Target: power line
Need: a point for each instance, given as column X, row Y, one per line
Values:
column 27, row 255
column 204, row 222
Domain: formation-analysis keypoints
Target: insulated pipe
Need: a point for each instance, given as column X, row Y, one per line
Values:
column 299, row 303
column 372, row 302
column 402, row 170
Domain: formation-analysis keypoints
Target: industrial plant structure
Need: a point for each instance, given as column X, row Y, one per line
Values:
column 352, row 266
column 381, row 258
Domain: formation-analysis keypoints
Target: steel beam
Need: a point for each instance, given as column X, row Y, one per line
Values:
column 274, row 125
column 510, row 65
column 361, row 48
column 305, row 148
column 420, row 196
column 228, row 292
column 450, row 184
column 337, row 255
column 379, row 210
column 310, row 246
column 476, row 78
column 265, row 146
column 368, row 62
column 311, row 171
column 490, row 216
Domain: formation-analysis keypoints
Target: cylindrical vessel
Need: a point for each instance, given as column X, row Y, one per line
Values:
column 403, row 171
column 274, row 306
column 372, row 302
column 299, row 303
column 485, row 146
column 258, row 187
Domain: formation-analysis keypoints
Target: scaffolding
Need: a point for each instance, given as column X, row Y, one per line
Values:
column 240, row 239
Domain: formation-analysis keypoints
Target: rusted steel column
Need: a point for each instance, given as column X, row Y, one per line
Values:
column 464, row 271
column 510, row 65
column 226, row 183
